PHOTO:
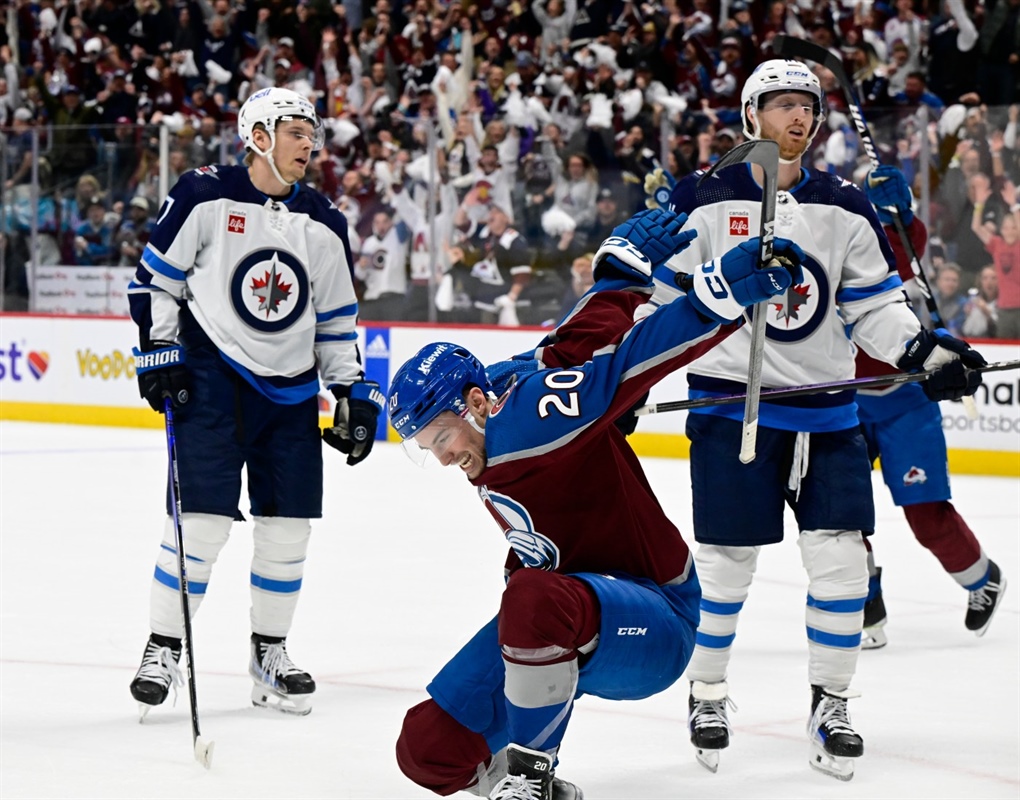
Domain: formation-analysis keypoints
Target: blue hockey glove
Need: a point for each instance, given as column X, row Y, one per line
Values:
column 887, row 188
column 954, row 359
column 354, row 422
column 723, row 287
column 642, row 243
column 161, row 374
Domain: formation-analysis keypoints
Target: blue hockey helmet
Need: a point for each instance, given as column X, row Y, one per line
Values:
column 432, row 381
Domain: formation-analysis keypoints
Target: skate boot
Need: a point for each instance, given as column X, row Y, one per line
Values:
column 279, row 684
column 530, row 776
column 873, row 636
column 983, row 602
column 708, row 721
column 834, row 743
column 157, row 673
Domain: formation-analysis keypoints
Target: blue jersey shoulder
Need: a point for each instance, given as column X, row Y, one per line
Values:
column 732, row 183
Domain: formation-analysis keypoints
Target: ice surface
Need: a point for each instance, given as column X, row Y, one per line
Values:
column 403, row 568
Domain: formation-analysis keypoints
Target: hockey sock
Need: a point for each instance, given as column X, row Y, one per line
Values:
column 545, row 620
column 204, row 537
column 277, row 568
column 940, row 528
column 725, row 574
column 837, row 568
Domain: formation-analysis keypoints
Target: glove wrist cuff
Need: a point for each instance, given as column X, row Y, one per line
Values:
column 712, row 296
column 624, row 252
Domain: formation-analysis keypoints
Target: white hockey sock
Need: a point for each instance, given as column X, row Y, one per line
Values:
column 277, row 567
column 725, row 574
column 204, row 537
column 837, row 568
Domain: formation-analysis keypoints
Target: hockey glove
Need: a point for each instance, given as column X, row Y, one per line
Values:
column 955, row 360
column 642, row 243
column 161, row 374
column 723, row 287
column 354, row 422
column 887, row 189
column 658, row 188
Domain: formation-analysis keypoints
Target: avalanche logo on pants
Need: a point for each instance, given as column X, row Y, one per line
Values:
column 532, row 548
column 269, row 290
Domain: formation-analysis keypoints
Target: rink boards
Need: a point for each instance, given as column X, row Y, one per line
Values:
column 80, row 370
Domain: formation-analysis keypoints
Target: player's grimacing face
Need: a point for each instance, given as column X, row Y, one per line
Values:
column 452, row 440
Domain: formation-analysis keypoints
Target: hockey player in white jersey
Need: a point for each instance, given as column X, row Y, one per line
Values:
column 246, row 283
column 810, row 453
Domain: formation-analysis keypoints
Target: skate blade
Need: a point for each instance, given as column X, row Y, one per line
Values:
column 204, row 751
column 298, row 705
column 839, row 767
column 143, row 711
column 998, row 602
column 709, row 759
column 874, row 638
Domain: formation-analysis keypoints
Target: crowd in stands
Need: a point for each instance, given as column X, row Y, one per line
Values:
column 481, row 151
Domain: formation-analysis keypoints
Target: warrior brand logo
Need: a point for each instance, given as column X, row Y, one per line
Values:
column 426, row 365
column 235, row 223
column 157, row 358
column 914, row 475
column 740, row 225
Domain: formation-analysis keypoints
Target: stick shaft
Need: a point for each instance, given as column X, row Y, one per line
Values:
column 182, row 569
column 812, row 388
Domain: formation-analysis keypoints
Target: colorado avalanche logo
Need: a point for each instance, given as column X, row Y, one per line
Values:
column 797, row 313
column 269, row 290
column 532, row 548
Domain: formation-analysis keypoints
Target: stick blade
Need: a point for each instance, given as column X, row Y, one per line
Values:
column 204, row 752
column 756, row 151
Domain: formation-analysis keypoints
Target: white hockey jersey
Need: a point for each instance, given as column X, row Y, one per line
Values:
column 269, row 282
column 382, row 266
column 851, row 293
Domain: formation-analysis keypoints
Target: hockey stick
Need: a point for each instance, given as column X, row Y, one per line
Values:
column 765, row 154
column 810, row 388
column 789, row 46
column 203, row 749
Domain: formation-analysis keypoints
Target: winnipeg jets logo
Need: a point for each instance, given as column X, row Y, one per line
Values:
column 788, row 308
column 535, row 550
column 269, row 290
column 797, row 313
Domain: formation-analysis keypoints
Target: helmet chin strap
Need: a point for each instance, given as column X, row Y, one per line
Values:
column 268, row 155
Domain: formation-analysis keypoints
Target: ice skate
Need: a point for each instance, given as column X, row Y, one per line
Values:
column 873, row 636
column 708, row 721
column 530, row 776
column 157, row 673
column 834, row 743
column 279, row 684
column 982, row 604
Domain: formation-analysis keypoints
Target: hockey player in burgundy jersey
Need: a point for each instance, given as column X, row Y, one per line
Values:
column 601, row 596
column 903, row 427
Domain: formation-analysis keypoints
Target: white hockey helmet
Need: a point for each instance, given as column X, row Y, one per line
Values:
column 779, row 75
column 272, row 106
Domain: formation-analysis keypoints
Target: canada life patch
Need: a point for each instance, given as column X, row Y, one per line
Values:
column 235, row 223
column 740, row 225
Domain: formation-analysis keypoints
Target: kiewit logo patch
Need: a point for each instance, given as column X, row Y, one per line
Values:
column 235, row 224
column 914, row 475
column 740, row 226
